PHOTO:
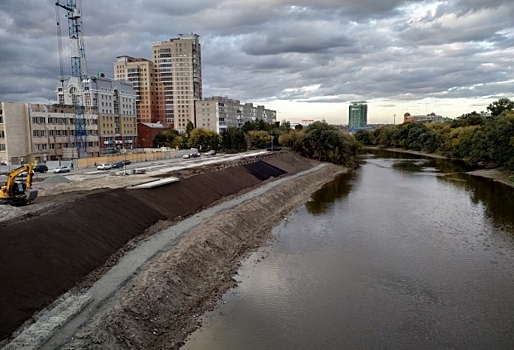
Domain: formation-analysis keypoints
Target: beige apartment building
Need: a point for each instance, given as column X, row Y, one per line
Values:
column 37, row 132
column 178, row 65
column 219, row 113
column 141, row 74
column 168, row 86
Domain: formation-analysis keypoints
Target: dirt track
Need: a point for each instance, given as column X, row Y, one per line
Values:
column 57, row 246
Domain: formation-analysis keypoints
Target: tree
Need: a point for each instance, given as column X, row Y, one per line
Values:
column 258, row 139
column 203, row 139
column 189, row 127
column 166, row 138
column 233, row 139
column 293, row 139
column 498, row 107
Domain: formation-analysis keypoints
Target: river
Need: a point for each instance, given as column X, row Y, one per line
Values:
column 403, row 253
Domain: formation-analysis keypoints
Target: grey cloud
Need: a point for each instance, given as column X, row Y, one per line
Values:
column 302, row 50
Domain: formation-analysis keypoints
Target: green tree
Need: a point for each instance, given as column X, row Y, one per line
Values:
column 498, row 107
column 363, row 136
column 233, row 140
column 189, row 127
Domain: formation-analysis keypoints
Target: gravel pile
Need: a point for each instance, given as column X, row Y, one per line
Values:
column 8, row 212
column 56, row 179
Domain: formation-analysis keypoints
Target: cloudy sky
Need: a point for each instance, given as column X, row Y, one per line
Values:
column 307, row 59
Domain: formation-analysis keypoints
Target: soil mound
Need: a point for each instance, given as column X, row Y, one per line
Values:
column 56, row 179
column 48, row 254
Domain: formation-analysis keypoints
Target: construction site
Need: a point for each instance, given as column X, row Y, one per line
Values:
column 64, row 284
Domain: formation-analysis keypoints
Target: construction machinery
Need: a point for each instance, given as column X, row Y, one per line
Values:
column 17, row 192
column 78, row 82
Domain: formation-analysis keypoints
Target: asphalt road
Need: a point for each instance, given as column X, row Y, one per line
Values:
column 173, row 161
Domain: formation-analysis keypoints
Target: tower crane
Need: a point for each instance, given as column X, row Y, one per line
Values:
column 78, row 83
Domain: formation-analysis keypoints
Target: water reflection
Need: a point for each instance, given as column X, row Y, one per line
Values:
column 390, row 261
column 322, row 200
column 410, row 166
column 497, row 198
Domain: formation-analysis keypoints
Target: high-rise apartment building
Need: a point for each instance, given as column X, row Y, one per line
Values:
column 358, row 115
column 168, row 86
column 140, row 72
column 178, row 66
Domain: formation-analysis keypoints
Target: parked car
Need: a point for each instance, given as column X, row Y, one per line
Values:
column 186, row 156
column 62, row 169
column 118, row 165
column 126, row 162
column 195, row 155
column 210, row 153
column 40, row 168
column 104, row 166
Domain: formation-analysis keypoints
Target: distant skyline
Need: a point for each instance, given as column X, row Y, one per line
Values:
column 307, row 59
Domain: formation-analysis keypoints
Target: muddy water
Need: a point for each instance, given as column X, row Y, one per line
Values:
column 405, row 253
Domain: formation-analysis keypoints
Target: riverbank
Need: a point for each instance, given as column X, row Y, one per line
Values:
column 82, row 238
column 161, row 305
column 401, row 150
column 505, row 177
column 502, row 176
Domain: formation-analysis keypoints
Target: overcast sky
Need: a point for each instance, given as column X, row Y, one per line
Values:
column 307, row 59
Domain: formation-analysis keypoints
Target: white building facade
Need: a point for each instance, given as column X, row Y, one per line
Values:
column 220, row 113
column 115, row 104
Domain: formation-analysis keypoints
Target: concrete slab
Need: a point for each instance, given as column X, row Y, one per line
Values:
column 155, row 183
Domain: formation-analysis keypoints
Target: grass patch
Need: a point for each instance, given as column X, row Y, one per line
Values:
column 511, row 179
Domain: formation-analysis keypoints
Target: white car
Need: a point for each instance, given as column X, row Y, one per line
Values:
column 62, row 169
column 104, row 166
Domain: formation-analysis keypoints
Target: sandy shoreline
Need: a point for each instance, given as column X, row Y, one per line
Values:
column 505, row 177
column 401, row 150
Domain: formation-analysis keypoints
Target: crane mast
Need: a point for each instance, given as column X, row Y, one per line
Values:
column 78, row 84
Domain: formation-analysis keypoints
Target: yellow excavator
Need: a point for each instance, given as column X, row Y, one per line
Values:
column 18, row 192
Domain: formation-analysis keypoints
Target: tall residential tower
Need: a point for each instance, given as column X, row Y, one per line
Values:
column 168, row 85
column 178, row 67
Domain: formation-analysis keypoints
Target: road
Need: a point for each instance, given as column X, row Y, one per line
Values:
column 178, row 162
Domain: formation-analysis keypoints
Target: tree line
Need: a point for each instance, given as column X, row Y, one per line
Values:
column 481, row 141
column 319, row 140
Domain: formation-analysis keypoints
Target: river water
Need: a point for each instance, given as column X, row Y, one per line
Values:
column 403, row 253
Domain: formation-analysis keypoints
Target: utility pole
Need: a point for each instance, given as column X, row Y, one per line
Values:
column 394, row 120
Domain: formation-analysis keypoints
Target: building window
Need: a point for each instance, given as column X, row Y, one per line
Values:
column 2, row 147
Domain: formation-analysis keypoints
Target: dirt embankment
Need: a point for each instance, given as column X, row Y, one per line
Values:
column 159, row 308
column 54, row 248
